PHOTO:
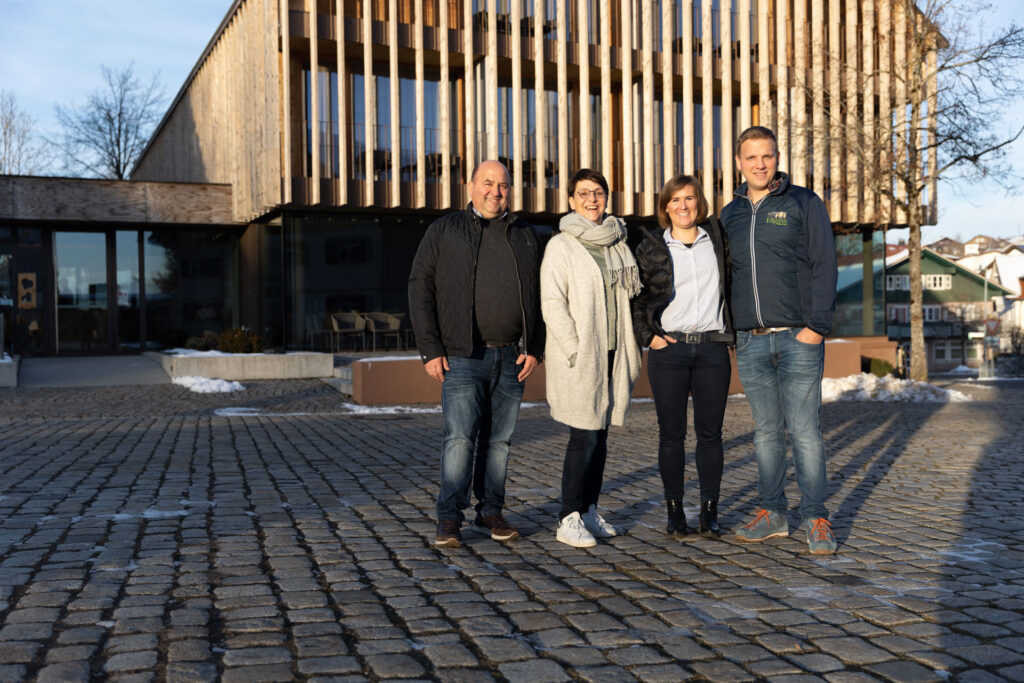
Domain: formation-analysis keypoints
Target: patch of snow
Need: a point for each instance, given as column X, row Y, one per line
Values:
column 236, row 411
column 837, row 341
column 163, row 514
column 868, row 387
column 106, row 624
column 385, row 358
column 962, row 370
column 211, row 503
column 6, row 358
column 205, row 385
column 356, row 409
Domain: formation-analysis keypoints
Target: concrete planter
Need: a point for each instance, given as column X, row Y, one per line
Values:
column 9, row 373
column 243, row 367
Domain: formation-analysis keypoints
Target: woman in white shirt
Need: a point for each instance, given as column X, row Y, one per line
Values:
column 682, row 315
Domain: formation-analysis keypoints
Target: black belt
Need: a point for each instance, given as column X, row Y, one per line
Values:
column 701, row 337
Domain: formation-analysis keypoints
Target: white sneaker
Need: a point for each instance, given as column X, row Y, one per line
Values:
column 596, row 525
column 572, row 532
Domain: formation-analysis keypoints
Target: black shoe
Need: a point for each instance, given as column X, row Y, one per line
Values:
column 676, row 526
column 708, row 518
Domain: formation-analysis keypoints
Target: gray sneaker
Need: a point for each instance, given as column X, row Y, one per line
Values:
column 765, row 524
column 820, row 538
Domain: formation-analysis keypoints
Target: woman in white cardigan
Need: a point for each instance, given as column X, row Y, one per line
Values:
column 591, row 359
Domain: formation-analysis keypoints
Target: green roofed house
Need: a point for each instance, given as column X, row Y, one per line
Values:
column 956, row 304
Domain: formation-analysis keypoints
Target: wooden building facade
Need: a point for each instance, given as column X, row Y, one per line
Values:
column 389, row 104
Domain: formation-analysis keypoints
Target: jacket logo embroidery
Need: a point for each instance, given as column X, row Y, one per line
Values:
column 778, row 218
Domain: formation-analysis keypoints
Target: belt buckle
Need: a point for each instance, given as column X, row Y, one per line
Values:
column 693, row 338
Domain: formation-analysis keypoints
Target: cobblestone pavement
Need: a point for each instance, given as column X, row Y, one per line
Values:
column 144, row 537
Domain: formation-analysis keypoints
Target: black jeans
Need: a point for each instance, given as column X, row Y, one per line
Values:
column 674, row 372
column 583, row 468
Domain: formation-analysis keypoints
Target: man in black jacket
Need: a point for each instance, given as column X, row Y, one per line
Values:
column 783, row 259
column 474, row 300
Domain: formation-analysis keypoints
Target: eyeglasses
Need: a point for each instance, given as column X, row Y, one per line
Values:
column 587, row 194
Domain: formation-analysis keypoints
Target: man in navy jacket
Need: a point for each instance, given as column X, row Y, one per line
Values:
column 783, row 261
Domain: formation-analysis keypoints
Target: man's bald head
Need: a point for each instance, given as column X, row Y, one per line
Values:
column 490, row 188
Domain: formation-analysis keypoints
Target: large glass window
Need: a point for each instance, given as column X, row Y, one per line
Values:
column 128, row 319
column 860, row 306
column 80, row 263
column 190, row 284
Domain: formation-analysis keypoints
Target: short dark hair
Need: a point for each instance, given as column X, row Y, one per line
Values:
column 674, row 185
column 756, row 133
column 587, row 174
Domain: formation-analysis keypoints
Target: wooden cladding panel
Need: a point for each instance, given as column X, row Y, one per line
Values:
column 215, row 131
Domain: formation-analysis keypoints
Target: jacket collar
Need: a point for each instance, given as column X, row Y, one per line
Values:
column 779, row 184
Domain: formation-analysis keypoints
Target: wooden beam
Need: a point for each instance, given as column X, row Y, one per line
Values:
column 467, row 65
column 800, row 93
column 583, row 57
column 421, row 137
column 490, row 94
column 647, row 77
column 707, row 78
column 689, row 140
column 746, row 87
column 668, row 104
column 540, row 107
column 725, row 38
column 516, row 40
column 286, row 118
column 765, row 115
column 819, row 158
column 628, row 158
column 444, row 94
column 852, row 210
column 782, row 61
column 563, row 107
column 835, row 134
column 369, row 105
column 607, row 154
column 314, row 105
column 396, row 111
column 870, row 213
column 341, row 113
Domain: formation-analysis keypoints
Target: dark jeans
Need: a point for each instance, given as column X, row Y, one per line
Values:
column 675, row 371
column 490, row 375
column 583, row 468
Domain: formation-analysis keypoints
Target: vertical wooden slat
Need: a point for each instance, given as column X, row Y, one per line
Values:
column 444, row 120
column 490, row 94
column 563, row 109
column 583, row 57
column 885, row 106
column 933, row 122
column 853, row 172
column 836, row 100
column 647, row 134
column 668, row 105
column 725, row 33
column 396, row 111
column 369, row 103
column 765, row 116
column 606, row 89
column 626, row 36
column 870, row 212
column 746, row 87
column 800, row 93
column 818, row 157
column 707, row 77
column 540, row 107
column 900, row 100
column 782, row 60
column 341, row 114
column 515, row 38
column 314, row 105
column 467, row 65
column 286, row 119
column 421, row 137
column 687, row 95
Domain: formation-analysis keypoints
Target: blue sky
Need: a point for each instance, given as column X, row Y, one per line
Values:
column 52, row 52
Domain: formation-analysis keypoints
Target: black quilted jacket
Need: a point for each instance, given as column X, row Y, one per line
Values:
column 442, row 283
column 655, row 262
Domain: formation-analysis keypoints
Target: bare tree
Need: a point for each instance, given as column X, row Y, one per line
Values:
column 932, row 108
column 22, row 151
column 105, row 136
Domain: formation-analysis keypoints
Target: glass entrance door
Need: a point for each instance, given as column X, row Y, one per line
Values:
column 80, row 266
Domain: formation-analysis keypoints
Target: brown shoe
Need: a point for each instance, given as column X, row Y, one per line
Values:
column 448, row 534
column 501, row 530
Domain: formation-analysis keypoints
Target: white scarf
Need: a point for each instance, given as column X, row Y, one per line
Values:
column 610, row 234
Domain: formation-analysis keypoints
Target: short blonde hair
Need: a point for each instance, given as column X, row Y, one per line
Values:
column 674, row 185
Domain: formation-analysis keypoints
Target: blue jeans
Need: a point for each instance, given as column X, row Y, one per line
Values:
column 490, row 375
column 782, row 380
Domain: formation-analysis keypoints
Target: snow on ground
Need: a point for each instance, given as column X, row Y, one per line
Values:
column 357, row 409
column 867, row 387
column 192, row 353
column 6, row 359
column 961, row 370
column 205, row 385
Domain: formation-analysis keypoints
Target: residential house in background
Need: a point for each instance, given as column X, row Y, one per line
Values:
column 1005, row 267
column 981, row 244
column 948, row 247
column 341, row 128
column 956, row 304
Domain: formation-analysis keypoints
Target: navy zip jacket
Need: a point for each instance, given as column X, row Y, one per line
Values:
column 783, row 258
